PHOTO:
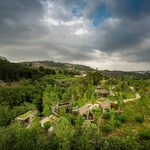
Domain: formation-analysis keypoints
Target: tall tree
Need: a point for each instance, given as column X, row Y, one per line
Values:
column 64, row 133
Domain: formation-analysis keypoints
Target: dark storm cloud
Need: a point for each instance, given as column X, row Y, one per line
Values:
column 63, row 30
column 18, row 18
column 132, row 9
column 126, row 30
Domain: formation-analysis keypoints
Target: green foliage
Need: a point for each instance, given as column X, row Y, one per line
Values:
column 97, row 115
column 145, row 145
column 47, row 125
column 70, row 117
column 80, row 103
column 64, row 133
column 123, row 117
column 117, row 123
column 88, row 137
column 106, row 116
column 79, row 120
column 74, row 112
column 50, row 97
column 62, row 111
column 93, row 98
column 139, row 118
column 144, row 134
column 124, row 96
column 112, row 116
column 107, row 128
column 7, row 114
column 15, row 137
column 115, row 143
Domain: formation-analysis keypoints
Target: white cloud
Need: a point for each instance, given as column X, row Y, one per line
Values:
column 80, row 31
column 53, row 31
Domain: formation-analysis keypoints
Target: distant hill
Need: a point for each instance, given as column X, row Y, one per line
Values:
column 135, row 74
column 59, row 66
column 10, row 71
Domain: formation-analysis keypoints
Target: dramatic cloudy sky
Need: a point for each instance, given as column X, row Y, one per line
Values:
column 104, row 34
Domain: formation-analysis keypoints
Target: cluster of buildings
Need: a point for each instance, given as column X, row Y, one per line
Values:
column 84, row 111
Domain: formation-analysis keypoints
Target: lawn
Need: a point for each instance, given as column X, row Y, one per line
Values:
column 62, row 77
column 129, row 94
column 26, row 114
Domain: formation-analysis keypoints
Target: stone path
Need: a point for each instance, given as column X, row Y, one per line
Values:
column 137, row 97
column 46, row 119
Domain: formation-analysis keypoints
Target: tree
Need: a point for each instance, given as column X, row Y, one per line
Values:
column 79, row 120
column 64, row 133
column 5, row 115
column 88, row 137
column 49, row 98
column 46, row 105
column 97, row 116
column 47, row 125
column 85, row 97
column 62, row 111
column 93, row 98
column 120, row 102
column 112, row 115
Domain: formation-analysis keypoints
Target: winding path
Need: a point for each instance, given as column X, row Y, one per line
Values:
column 137, row 97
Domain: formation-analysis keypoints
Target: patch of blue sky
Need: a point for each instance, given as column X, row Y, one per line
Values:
column 135, row 5
column 100, row 15
column 77, row 10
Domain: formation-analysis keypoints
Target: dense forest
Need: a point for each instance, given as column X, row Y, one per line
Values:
column 124, row 126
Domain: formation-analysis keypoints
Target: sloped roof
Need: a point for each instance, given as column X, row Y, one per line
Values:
column 104, row 104
column 99, row 87
column 83, row 109
column 103, row 91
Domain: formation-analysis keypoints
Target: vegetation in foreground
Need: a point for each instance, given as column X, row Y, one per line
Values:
column 41, row 90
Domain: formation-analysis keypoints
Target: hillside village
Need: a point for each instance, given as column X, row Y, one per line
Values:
column 103, row 104
column 65, row 106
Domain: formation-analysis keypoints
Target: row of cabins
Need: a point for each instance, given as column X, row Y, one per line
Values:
column 84, row 111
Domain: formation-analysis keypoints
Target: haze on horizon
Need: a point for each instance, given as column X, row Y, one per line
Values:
column 103, row 34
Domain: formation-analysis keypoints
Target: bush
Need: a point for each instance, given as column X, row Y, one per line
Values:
column 80, row 103
column 107, row 128
column 124, row 96
column 70, row 117
column 74, row 112
column 139, row 119
column 106, row 116
column 47, row 125
column 145, row 134
column 117, row 123
column 123, row 117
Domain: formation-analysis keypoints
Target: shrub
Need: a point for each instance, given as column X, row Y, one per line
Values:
column 139, row 119
column 47, row 125
column 145, row 134
column 79, row 120
column 107, row 128
column 70, row 117
column 106, row 116
column 124, row 96
column 117, row 123
column 74, row 112
column 80, row 103
column 123, row 117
